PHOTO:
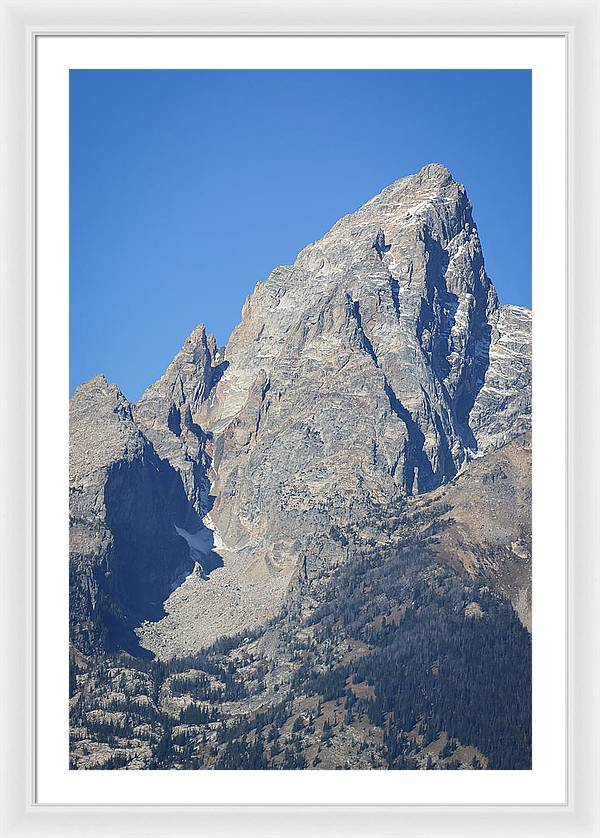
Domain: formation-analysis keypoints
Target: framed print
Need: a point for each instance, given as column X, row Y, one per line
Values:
column 299, row 477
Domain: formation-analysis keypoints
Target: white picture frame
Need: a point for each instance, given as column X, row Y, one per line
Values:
column 22, row 23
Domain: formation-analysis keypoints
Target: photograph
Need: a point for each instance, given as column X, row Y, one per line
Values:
column 300, row 420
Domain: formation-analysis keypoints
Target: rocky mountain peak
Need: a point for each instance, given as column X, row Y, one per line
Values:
column 356, row 373
column 375, row 366
column 96, row 403
column 186, row 381
column 426, row 276
column 168, row 411
column 99, row 392
column 124, row 504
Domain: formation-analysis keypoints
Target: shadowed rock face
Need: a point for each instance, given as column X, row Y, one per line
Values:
column 125, row 554
column 166, row 409
column 378, row 364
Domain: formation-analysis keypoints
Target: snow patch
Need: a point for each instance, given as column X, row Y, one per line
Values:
column 199, row 542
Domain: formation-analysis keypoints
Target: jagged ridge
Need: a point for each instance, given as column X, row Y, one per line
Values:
column 377, row 365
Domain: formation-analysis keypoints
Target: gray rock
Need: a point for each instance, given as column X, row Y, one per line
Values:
column 167, row 410
column 124, row 502
column 379, row 364
column 502, row 409
column 354, row 373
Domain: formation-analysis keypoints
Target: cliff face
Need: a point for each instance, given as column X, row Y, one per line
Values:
column 125, row 554
column 378, row 365
column 357, row 372
column 165, row 412
column 374, row 340
column 502, row 408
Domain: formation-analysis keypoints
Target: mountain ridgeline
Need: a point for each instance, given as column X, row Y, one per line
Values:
column 366, row 428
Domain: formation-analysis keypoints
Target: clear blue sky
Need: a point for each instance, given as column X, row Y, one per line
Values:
column 187, row 187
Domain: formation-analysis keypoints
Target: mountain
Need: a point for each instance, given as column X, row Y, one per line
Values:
column 379, row 363
column 348, row 479
column 165, row 412
column 124, row 551
column 405, row 656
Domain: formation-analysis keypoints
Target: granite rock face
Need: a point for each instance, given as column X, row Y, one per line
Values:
column 166, row 410
column 378, row 365
column 355, row 373
column 502, row 409
column 125, row 554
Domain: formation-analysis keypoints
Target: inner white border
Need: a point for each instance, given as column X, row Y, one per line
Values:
column 546, row 782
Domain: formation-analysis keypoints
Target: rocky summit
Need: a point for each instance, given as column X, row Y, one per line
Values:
column 379, row 364
column 377, row 379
